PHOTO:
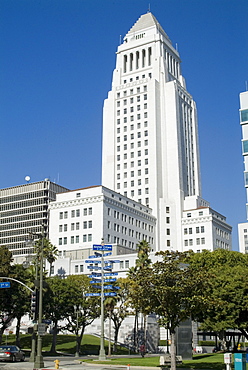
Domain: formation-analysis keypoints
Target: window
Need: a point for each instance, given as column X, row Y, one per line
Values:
column 65, row 227
column 72, row 239
column 85, row 225
column 90, row 211
column 203, row 240
column 197, row 229
column 77, row 238
column 76, row 268
column 81, row 268
column 197, row 241
column 190, row 230
column 77, row 226
column 245, row 146
column 90, row 224
column 60, row 228
column 61, row 215
column 188, row 214
column 201, row 213
column 90, row 238
column 167, row 220
column 190, row 241
column 202, row 229
column 73, row 213
column 185, row 243
column 121, row 264
column 84, row 238
column 65, row 240
column 127, row 264
column 185, row 231
column 168, row 231
column 65, row 214
column 60, row 241
column 244, row 115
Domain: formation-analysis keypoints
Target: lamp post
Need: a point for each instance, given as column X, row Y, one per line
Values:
column 102, row 355
column 77, row 310
column 39, row 363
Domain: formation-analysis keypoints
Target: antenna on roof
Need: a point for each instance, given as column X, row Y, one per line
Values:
column 246, row 85
column 149, row 8
column 120, row 39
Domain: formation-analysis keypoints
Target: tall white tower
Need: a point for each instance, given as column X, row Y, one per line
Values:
column 150, row 138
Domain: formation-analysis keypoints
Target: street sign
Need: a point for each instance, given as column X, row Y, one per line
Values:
column 89, row 261
column 99, row 247
column 97, row 255
column 94, row 267
column 95, row 274
column 107, row 254
column 5, row 284
column 95, row 281
column 41, row 329
column 110, row 280
column 108, row 287
column 93, row 294
column 112, row 261
column 110, row 273
column 111, row 294
column 107, row 268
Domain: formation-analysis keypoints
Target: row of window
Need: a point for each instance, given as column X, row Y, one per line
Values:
column 24, row 204
column 117, row 240
column 144, row 171
column 125, row 147
column 200, row 213
column 75, row 213
column 128, row 219
column 118, row 131
column 198, row 229
column 189, row 242
column 172, row 64
column 14, row 222
column 221, row 244
column 244, row 115
column 130, row 232
column 76, row 226
column 139, row 181
column 75, row 239
column 136, row 60
column 24, row 196
column 222, row 234
column 131, row 91
column 139, row 191
column 138, row 153
column 131, row 100
column 125, row 137
column 11, row 216
column 80, row 268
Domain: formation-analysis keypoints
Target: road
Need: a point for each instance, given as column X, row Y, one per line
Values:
column 67, row 363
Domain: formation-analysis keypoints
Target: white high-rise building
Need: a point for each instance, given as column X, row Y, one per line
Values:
column 243, row 227
column 150, row 134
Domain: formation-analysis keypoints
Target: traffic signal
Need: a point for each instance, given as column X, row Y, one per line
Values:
column 34, row 303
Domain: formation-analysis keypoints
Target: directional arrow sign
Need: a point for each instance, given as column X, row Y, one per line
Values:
column 112, row 261
column 5, row 284
column 94, row 267
column 89, row 261
column 95, row 281
column 111, row 294
column 110, row 273
column 98, row 255
column 96, row 286
column 94, row 275
column 109, row 280
column 107, row 254
column 93, row 294
column 108, row 287
column 107, row 268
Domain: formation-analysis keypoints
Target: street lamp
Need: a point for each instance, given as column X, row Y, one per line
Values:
column 77, row 310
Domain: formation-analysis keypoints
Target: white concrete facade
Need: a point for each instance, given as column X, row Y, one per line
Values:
column 81, row 218
column 150, row 131
column 242, row 228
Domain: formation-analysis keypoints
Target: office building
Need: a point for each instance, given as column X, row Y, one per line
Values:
column 83, row 217
column 150, row 132
column 243, row 227
column 23, row 210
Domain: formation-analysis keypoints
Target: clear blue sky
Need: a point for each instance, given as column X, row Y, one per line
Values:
column 56, row 63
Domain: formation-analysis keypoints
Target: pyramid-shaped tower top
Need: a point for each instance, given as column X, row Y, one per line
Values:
column 147, row 21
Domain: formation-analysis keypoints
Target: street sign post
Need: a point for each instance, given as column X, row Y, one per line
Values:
column 99, row 247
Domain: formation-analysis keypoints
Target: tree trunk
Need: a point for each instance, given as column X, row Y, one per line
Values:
column 173, row 349
column 54, row 338
column 18, row 331
column 117, row 327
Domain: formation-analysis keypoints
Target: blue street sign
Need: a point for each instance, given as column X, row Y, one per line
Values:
column 5, row 284
column 108, row 287
column 110, row 273
column 95, row 281
column 109, row 280
column 94, row 267
column 95, row 274
column 111, row 294
column 107, row 254
column 89, row 261
column 107, row 268
column 96, row 286
column 99, row 247
column 112, row 261
column 96, row 256
column 93, row 294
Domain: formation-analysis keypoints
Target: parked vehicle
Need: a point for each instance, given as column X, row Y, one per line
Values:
column 11, row 353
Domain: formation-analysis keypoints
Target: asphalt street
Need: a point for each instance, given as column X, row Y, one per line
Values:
column 68, row 363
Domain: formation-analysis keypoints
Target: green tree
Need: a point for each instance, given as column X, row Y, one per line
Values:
column 229, row 287
column 138, row 276
column 50, row 251
column 82, row 310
